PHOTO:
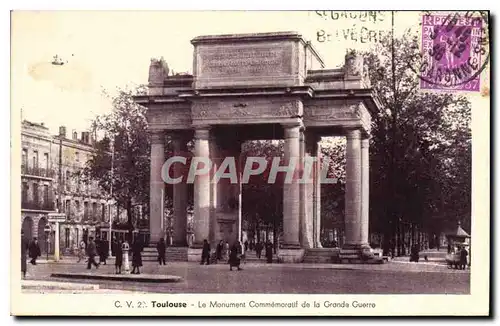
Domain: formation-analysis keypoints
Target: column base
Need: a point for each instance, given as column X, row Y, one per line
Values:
column 357, row 253
column 295, row 255
column 194, row 254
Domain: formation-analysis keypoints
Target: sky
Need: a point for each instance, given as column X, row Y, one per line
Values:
column 105, row 50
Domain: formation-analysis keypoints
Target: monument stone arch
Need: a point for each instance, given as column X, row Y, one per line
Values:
column 260, row 86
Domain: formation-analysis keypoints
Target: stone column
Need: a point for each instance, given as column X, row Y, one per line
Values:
column 353, row 188
column 307, row 222
column 156, row 187
column 202, row 203
column 365, row 187
column 180, row 192
column 317, row 193
column 291, row 250
column 215, row 157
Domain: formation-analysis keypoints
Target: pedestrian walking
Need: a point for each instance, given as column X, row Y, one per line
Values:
column 234, row 256
column 91, row 253
column 24, row 250
column 219, row 250
column 34, row 251
column 258, row 249
column 103, row 251
column 269, row 252
column 161, row 248
column 205, row 253
column 117, row 248
column 136, row 256
column 463, row 257
column 83, row 251
column 414, row 256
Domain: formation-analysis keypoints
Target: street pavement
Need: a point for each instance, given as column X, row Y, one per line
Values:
column 388, row 278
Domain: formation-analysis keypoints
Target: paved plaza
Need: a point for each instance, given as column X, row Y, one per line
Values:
column 390, row 278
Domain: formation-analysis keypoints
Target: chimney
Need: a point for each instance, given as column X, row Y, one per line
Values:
column 75, row 135
column 62, row 131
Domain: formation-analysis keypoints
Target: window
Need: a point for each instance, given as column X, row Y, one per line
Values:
column 24, row 192
column 67, row 206
column 35, row 159
column 86, row 210
column 94, row 211
column 66, row 238
column 35, row 193
column 46, row 194
column 24, row 161
column 46, row 161
column 77, row 237
column 77, row 157
column 103, row 212
column 77, row 207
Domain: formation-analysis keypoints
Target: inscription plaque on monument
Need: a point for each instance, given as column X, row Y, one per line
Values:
column 252, row 61
column 256, row 64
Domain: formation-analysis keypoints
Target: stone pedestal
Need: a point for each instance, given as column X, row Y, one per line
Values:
column 291, row 255
column 157, row 187
column 194, row 254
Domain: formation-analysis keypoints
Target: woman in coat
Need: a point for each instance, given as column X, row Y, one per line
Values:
column 234, row 257
column 136, row 257
column 118, row 256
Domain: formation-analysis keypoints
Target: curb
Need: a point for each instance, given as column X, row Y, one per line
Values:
column 150, row 278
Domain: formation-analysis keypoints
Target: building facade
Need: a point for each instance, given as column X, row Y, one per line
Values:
column 51, row 183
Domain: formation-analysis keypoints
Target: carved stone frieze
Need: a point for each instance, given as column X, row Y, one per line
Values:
column 331, row 110
column 259, row 108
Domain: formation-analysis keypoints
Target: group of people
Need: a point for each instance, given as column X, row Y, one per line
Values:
column 92, row 249
column 235, row 254
column 99, row 248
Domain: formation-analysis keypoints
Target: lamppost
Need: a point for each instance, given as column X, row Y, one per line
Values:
column 111, row 196
column 47, row 240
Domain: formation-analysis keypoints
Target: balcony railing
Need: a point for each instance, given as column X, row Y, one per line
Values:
column 43, row 206
column 40, row 172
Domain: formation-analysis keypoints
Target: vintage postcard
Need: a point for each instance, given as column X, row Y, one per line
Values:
column 250, row 163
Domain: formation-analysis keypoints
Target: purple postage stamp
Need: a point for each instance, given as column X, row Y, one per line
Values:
column 454, row 51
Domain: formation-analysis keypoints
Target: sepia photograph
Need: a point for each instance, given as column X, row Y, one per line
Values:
column 250, row 163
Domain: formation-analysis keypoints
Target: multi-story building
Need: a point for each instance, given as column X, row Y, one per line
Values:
column 51, row 183
column 37, row 180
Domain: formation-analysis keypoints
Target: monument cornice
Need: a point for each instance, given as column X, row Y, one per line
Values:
column 306, row 91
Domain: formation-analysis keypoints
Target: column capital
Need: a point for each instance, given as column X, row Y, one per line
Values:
column 365, row 142
column 202, row 133
column 292, row 130
column 353, row 134
column 157, row 136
